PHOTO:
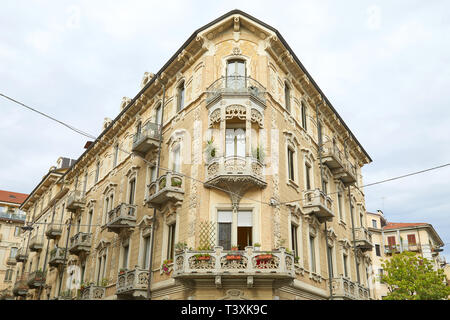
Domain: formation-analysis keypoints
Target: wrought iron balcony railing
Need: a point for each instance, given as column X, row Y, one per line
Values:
column 122, row 217
column 147, row 139
column 235, row 86
column 132, row 283
column 75, row 201
column 169, row 187
column 80, row 243
column 345, row 289
column 318, row 203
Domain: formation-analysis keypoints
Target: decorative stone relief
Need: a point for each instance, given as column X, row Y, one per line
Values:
column 235, row 111
column 257, row 117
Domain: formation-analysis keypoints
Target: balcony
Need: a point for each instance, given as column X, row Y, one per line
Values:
column 57, row 257
column 169, row 187
column 122, row 217
column 93, row 293
column 11, row 261
column 16, row 215
column 248, row 265
column 344, row 289
column 132, row 283
column 147, row 140
column 414, row 247
column 36, row 243
column 318, row 203
column 363, row 239
column 341, row 168
column 391, row 248
column 75, row 201
column 80, row 243
column 36, row 279
column 21, row 255
column 235, row 173
column 235, row 86
column 21, row 286
column 54, row 231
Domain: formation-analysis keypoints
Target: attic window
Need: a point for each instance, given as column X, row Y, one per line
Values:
column 11, row 196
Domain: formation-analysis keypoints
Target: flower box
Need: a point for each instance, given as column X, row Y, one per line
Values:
column 234, row 257
column 264, row 257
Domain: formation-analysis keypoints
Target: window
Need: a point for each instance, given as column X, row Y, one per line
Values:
column 13, row 252
column 152, row 174
column 312, row 253
column 171, row 242
column 132, row 190
column 116, row 155
column 330, row 257
column 8, row 275
column 158, row 117
column 294, row 229
column 377, row 250
column 340, row 206
column 85, row 183
column 176, row 159
column 304, row 116
column 290, row 153
column 224, row 220
column 411, row 239
column 361, row 219
column 146, row 257
column 17, row 232
column 287, row 97
column 90, row 214
column 325, row 186
column 126, row 249
column 235, row 142
column 97, row 171
column 320, row 140
column 244, row 229
column 181, row 91
column 236, row 73
column 308, row 176
column 374, row 223
column 345, row 266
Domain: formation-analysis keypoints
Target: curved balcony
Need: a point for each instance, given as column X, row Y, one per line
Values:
column 341, row 168
column 344, row 289
column 122, row 217
column 36, row 279
column 237, row 174
column 80, row 243
column 169, row 187
column 132, row 283
column 21, row 255
column 318, row 203
column 21, row 286
column 147, row 140
column 36, row 243
column 57, row 257
column 363, row 239
column 235, row 86
column 93, row 293
column 75, row 201
column 54, row 231
column 221, row 266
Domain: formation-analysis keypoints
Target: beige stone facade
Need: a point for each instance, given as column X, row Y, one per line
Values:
column 11, row 221
column 390, row 238
column 239, row 164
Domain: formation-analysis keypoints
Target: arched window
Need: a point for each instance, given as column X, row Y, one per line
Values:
column 236, row 74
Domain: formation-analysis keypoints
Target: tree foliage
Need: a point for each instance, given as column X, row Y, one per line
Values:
column 410, row 277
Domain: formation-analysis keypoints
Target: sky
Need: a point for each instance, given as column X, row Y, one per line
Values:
column 384, row 65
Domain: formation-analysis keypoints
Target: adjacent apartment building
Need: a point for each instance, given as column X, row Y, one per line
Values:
column 395, row 237
column 229, row 175
column 11, row 221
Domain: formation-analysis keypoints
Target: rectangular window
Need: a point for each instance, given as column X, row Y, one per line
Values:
column 313, row 253
column 320, row 134
column 125, row 256
column 340, row 206
column 85, row 183
column 116, row 155
column 13, row 252
column 308, row 176
column 132, row 187
column 235, row 142
column 411, row 239
column 330, row 257
column 291, row 164
column 159, row 114
column 17, row 231
column 171, row 242
column 374, row 223
column 224, row 220
column 377, row 250
column 90, row 214
column 294, row 229
column 97, row 172
column 176, row 159
column 244, row 229
column 146, row 257
column 345, row 266
column 304, row 116
column 287, row 97
column 181, row 90
column 153, row 174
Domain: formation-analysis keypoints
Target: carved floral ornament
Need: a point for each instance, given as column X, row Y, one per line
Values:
column 345, row 243
column 236, row 111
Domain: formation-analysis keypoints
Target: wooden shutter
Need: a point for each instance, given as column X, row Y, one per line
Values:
column 225, row 235
column 411, row 239
column 391, row 241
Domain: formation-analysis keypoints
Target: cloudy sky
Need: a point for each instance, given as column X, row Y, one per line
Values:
column 384, row 65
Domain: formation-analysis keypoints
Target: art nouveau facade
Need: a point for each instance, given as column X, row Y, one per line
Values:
column 231, row 119
column 391, row 237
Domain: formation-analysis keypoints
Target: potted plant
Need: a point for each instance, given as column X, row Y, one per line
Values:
column 210, row 149
column 122, row 270
column 176, row 182
column 165, row 267
column 203, row 257
column 234, row 248
column 234, row 257
column 257, row 246
column 296, row 259
column 180, row 247
column 104, row 282
column 258, row 153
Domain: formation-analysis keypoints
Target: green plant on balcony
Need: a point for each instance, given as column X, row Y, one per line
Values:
column 176, row 182
column 234, row 248
column 162, row 183
column 180, row 246
column 123, row 270
column 210, row 149
column 259, row 153
column 296, row 259
column 104, row 282
column 202, row 256
column 166, row 266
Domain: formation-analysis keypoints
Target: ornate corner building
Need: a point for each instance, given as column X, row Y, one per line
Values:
column 229, row 173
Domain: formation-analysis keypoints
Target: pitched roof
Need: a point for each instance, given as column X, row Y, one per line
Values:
column 398, row 225
column 12, row 197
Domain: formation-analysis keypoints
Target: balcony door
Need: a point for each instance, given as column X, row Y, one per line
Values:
column 235, row 142
column 244, row 229
column 239, row 232
column 236, row 74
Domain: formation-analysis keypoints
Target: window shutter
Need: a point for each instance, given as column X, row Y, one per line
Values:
column 411, row 239
column 391, row 241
